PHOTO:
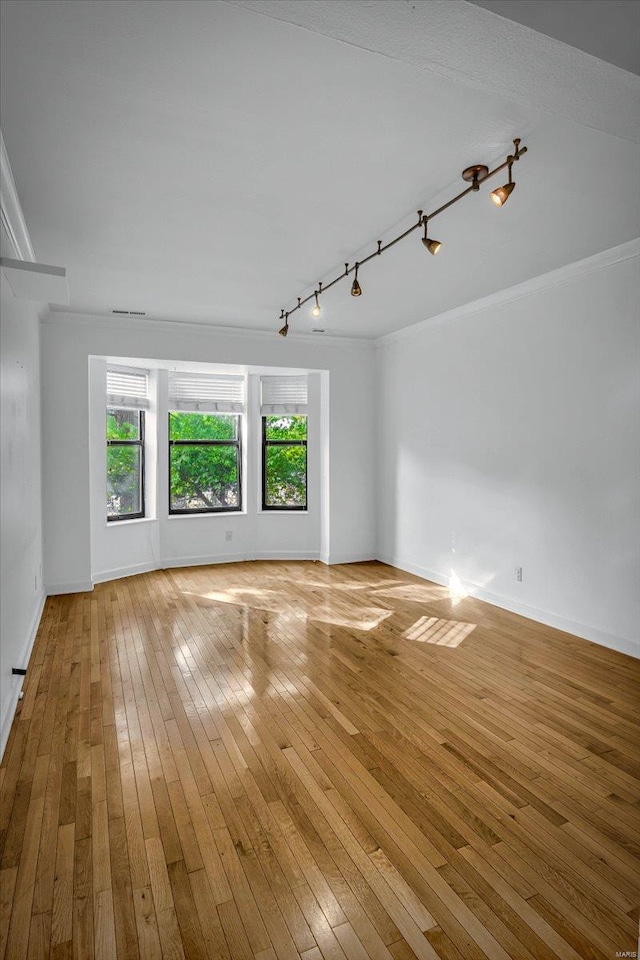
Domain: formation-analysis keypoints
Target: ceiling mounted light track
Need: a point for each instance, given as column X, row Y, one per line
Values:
column 475, row 175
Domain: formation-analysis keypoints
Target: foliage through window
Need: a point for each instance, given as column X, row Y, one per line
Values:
column 125, row 464
column 204, row 462
column 284, row 462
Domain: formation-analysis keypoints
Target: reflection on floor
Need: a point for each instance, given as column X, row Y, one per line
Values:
column 271, row 761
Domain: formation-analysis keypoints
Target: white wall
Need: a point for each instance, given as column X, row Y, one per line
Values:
column 68, row 343
column 20, row 495
column 506, row 436
column 509, row 437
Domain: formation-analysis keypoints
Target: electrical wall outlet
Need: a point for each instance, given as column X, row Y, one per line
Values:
column 519, row 574
column 228, row 535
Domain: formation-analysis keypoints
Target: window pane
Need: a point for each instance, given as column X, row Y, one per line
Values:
column 204, row 478
column 203, row 426
column 285, row 476
column 124, row 476
column 286, row 428
column 123, row 424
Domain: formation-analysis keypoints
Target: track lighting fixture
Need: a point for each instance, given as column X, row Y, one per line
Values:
column 433, row 246
column 502, row 194
column 356, row 289
column 474, row 175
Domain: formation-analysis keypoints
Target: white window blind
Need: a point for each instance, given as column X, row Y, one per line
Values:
column 209, row 394
column 283, row 395
column 127, row 388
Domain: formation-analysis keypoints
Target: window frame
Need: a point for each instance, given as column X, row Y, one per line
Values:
column 140, row 442
column 237, row 443
column 266, row 443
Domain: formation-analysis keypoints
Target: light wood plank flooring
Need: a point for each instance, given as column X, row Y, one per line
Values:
column 282, row 760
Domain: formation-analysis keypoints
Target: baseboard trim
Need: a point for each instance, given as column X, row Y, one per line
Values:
column 118, row 573
column 211, row 559
column 336, row 558
column 284, row 555
column 203, row 561
column 9, row 708
column 582, row 630
column 73, row 586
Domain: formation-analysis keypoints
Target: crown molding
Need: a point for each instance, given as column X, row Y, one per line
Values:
column 202, row 328
column 554, row 278
column 562, row 275
column 11, row 214
column 570, row 272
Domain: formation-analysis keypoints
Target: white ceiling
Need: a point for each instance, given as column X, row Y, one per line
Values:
column 205, row 161
column 608, row 29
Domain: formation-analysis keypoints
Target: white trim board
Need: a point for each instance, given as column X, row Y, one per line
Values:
column 566, row 274
column 9, row 707
column 11, row 212
column 199, row 327
column 119, row 572
column 312, row 555
column 585, row 632
column 72, row 586
column 334, row 559
column 570, row 272
column 171, row 563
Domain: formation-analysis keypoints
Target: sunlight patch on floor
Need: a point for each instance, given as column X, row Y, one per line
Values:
column 353, row 615
column 415, row 592
column 443, row 633
column 362, row 618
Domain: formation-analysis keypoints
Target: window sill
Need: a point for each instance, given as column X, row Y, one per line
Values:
column 283, row 513
column 111, row 525
column 206, row 516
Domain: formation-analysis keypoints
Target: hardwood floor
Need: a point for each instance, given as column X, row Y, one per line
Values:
column 282, row 760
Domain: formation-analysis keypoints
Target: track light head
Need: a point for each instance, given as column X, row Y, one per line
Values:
column 356, row 289
column 433, row 246
column 502, row 194
column 315, row 310
column 283, row 331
